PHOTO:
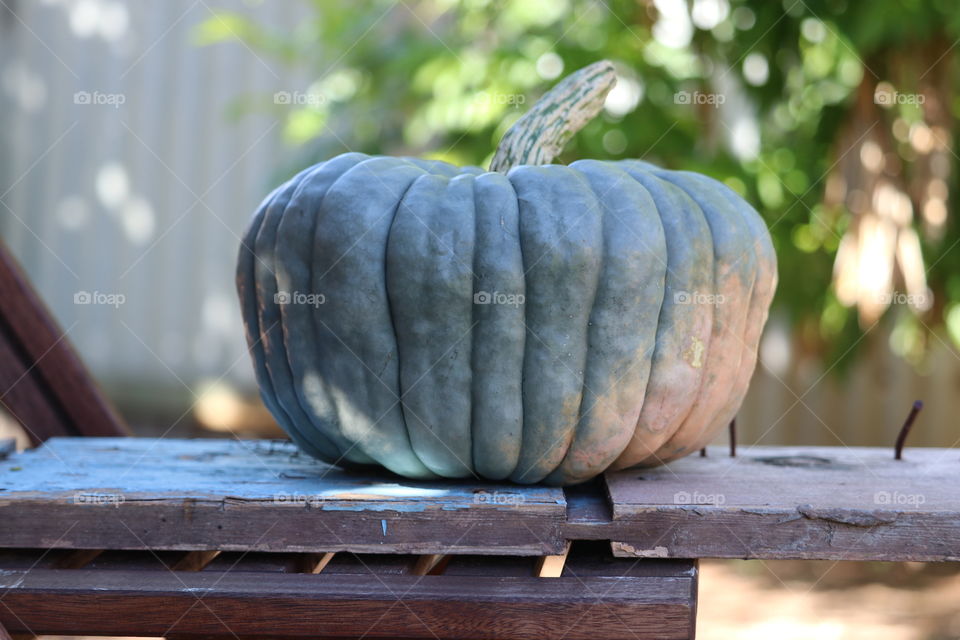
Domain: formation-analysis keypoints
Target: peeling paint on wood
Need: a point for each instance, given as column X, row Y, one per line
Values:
column 132, row 493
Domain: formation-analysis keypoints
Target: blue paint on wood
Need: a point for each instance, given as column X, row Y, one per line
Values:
column 116, row 470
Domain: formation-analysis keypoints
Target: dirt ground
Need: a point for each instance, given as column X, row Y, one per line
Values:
column 792, row 600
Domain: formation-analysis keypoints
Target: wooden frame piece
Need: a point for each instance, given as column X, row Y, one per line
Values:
column 830, row 503
column 551, row 566
column 295, row 605
column 195, row 495
column 316, row 562
column 43, row 383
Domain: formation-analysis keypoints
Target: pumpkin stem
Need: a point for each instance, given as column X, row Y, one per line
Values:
column 539, row 136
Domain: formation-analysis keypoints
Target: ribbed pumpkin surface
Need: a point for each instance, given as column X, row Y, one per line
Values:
column 542, row 325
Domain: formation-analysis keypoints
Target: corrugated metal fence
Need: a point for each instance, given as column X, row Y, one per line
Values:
column 128, row 187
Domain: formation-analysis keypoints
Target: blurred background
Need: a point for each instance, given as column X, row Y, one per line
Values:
column 136, row 139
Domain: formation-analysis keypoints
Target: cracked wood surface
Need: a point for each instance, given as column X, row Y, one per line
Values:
column 801, row 502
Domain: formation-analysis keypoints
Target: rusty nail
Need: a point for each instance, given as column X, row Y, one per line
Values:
column 733, row 438
column 905, row 430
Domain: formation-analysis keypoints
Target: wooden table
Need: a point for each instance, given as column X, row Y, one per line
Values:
column 223, row 538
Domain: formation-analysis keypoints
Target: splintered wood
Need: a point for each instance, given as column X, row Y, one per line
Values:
column 837, row 503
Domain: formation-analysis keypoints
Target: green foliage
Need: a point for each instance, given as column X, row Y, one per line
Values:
column 444, row 79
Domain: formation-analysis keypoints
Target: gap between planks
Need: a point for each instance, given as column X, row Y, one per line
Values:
column 194, row 561
column 431, row 564
column 76, row 560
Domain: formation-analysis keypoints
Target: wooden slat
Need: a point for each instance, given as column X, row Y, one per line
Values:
column 551, row 566
column 133, row 493
column 33, row 335
column 302, row 605
column 775, row 502
column 316, row 562
column 25, row 396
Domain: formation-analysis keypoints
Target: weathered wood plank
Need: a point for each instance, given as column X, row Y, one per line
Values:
column 133, row 493
column 303, row 605
column 24, row 395
column 775, row 502
column 39, row 355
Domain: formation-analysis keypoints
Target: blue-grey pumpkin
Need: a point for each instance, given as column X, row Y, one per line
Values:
column 544, row 323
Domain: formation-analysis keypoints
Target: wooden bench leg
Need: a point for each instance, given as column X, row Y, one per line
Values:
column 6, row 635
